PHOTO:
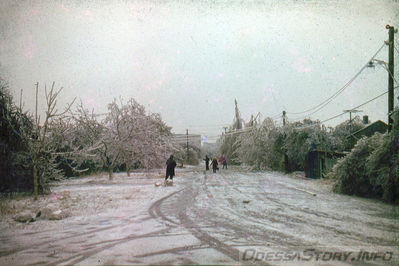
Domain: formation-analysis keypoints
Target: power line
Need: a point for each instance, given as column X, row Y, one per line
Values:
column 303, row 127
column 328, row 100
column 392, row 76
column 396, row 49
column 331, row 118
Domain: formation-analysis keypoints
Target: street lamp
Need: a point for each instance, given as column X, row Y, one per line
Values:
column 374, row 62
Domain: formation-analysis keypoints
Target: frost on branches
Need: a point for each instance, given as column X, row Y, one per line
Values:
column 127, row 137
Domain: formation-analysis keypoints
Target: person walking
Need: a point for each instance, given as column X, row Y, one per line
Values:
column 214, row 164
column 170, row 168
column 206, row 162
column 224, row 162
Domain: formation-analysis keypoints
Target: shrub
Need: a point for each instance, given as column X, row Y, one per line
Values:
column 371, row 169
column 350, row 171
column 15, row 162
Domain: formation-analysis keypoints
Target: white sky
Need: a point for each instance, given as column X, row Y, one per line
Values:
column 189, row 60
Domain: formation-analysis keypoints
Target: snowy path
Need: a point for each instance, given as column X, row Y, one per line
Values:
column 222, row 218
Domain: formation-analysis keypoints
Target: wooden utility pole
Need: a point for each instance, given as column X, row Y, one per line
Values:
column 284, row 118
column 37, row 89
column 350, row 113
column 37, row 137
column 391, row 31
column 187, row 144
column 350, row 116
column 390, row 194
column 20, row 102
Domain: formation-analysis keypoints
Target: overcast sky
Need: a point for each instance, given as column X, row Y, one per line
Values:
column 189, row 60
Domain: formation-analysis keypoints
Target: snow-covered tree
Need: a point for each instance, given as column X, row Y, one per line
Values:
column 42, row 139
column 147, row 139
column 127, row 136
column 256, row 146
column 341, row 133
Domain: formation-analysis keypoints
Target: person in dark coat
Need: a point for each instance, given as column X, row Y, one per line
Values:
column 224, row 162
column 214, row 164
column 170, row 168
column 206, row 162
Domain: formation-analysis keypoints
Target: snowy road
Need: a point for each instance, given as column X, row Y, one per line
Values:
column 232, row 217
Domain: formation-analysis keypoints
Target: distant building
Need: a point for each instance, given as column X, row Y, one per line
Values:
column 319, row 163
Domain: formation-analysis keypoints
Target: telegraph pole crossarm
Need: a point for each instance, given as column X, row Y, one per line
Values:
column 350, row 113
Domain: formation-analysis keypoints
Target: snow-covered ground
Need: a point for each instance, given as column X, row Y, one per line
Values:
column 230, row 217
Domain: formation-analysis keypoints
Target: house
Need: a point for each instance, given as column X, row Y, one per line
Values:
column 368, row 131
column 319, row 163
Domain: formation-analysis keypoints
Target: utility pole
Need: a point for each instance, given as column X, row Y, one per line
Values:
column 20, row 102
column 187, row 143
column 350, row 116
column 350, row 113
column 37, row 89
column 284, row 118
column 391, row 177
column 391, row 31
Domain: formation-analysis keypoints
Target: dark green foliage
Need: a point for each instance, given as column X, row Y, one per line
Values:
column 351, row 171
column 371, row 169
column 15, row 161
column 296, row 146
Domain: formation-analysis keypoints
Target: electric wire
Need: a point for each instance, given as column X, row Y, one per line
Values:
column 396, row 49
column 183, row 137
column 338, row 115
column 328, row 100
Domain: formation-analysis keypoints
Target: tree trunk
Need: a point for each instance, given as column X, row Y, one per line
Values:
column 35, row 183
column 128, row 170
column 110, row 171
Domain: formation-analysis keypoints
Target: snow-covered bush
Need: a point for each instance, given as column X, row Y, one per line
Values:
column 300, row 138
column 350, row 172
column 371, row 169
column 229, row 146
column 279, row 148
column 257, row 147
column 340, row 134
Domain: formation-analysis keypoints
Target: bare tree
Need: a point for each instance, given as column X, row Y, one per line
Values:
column 41, row 140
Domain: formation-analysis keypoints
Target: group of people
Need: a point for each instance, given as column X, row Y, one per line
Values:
column 171, row 165
column 215, row 163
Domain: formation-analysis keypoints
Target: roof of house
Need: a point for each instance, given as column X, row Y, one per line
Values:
column 369, row 130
